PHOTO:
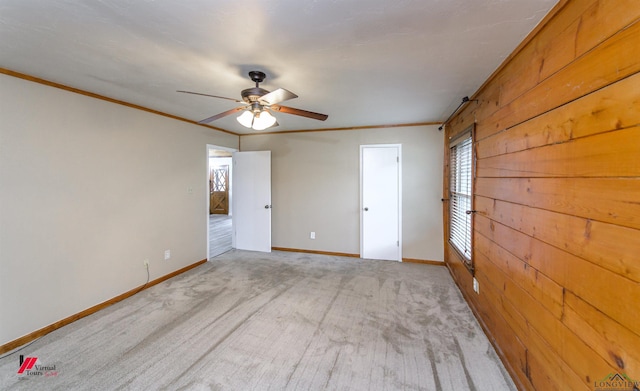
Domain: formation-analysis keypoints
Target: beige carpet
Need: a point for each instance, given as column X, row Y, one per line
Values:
column 279, row 321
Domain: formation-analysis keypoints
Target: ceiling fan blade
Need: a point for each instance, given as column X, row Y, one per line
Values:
column 277, row 96
column 218, row 116
column 211, row 96
column 302, row 113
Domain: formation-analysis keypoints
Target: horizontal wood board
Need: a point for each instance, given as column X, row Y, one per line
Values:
column 556, row 233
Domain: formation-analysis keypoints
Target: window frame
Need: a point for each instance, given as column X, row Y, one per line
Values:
column 461, row 212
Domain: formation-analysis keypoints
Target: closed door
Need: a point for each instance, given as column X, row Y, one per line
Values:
column 380, row 224
column 219, row 190
column 252, row 201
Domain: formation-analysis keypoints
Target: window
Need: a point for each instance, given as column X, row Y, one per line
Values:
column 460, row 171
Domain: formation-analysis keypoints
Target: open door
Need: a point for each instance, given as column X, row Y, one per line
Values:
column 251, row 201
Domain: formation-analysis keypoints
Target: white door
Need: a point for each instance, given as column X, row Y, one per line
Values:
column 380, row 189
column 251, row 201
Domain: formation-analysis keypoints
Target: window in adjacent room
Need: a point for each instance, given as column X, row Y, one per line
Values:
column 460, row 196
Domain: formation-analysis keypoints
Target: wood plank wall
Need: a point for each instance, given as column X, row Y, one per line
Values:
column 556, row 239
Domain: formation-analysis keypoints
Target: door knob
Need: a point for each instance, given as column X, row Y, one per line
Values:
column 267, row 206
column 366, row 209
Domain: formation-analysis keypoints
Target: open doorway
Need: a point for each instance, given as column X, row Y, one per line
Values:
column 220, row 177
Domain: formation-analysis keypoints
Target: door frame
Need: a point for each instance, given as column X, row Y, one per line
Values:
column 208, row 197
column 399, row 147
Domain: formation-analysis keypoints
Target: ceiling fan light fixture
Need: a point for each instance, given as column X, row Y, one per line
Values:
column 263, row 120
column 246, row 119
column 258, row 121
column 256, row 100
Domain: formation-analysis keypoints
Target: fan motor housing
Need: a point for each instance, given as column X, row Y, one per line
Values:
column 251, row 95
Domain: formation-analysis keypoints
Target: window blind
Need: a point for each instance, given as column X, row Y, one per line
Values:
column 460, row 196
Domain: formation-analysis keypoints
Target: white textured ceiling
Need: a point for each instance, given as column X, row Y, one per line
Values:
column 362, row 62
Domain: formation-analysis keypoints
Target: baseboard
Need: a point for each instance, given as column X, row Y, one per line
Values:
column 298, row 250
column 16, row 343
column 423, row 261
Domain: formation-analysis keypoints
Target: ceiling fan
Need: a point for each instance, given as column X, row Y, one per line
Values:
column 257, row 104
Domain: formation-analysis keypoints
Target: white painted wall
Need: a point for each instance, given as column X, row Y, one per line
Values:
column 88, row 189
column 315, row 187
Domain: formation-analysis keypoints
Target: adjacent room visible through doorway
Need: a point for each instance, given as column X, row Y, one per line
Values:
column 219, row 201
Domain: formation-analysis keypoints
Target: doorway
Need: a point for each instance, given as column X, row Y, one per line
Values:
column 219, row 201
column 381, row 202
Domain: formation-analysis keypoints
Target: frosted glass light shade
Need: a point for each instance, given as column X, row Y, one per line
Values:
column 263, row 120
column 246, row 119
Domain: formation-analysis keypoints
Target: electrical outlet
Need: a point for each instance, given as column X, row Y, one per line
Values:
column 476, row 286
column 312, row 235
column 167, row 255
column 145, row 263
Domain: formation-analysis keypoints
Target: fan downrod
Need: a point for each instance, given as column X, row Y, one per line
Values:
column 251, row 95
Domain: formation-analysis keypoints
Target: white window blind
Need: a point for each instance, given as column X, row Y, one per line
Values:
column 460, row 195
